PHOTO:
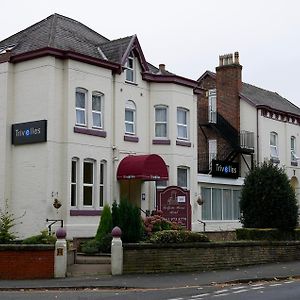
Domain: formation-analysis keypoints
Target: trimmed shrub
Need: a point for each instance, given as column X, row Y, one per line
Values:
column 115, row 214
column 177, row 236
column 105, row 225
column 130, row 222
column 270, row 234
column 42, row 238
column 268, row 200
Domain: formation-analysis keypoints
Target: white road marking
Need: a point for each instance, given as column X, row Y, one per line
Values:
column 258, row 288
column 238, row 287
column 275, row 284
column 287, row 282
column 221, row 295
column 176, row 299
column 258, row 284
column 221, row 291
column 240, row 291
column 200, row 296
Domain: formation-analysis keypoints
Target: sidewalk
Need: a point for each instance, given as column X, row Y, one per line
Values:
column 170, row 280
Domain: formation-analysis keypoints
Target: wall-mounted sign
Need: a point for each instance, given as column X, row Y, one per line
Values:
column 30, row 132
column 225, row 169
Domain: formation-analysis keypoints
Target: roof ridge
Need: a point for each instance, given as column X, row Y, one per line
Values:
column 118, row 39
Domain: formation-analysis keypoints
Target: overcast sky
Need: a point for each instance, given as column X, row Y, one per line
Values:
column 189, row 35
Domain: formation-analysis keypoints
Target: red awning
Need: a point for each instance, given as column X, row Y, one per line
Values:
column 146, row 167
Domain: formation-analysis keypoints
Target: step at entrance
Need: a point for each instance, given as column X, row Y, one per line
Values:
column 90, row 265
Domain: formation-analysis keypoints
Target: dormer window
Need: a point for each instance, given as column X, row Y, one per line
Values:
column 130, row 74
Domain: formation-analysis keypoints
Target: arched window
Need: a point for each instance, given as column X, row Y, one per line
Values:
column 130, row 117
column 88, row 182
column 74, row 182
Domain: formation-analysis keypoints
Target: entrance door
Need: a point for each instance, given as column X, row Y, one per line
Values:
column 131, row 191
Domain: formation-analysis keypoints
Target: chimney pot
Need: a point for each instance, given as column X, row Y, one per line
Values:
column 162, row 67
column 236, row 58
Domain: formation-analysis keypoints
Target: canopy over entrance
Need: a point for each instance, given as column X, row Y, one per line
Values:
column 145, row 167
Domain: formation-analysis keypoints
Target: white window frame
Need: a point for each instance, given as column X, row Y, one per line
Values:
column 130, row 68
column 80, row 109
column 183, row 125
column 186, row 170
column 98, row 112
column 90, row 185
column 294, row 157
column 274, row 146
column 212, row 106
column 75, row 182
column 157, row 123
column 212, row 151
column 102, row 183
column 130, row 107
column 210, row 201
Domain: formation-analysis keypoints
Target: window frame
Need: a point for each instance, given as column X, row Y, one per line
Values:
column 88, row 185
column 274, row 147
column 99, row 112
column 234, row 205
column 186, row 170
column 130, row 108
column 185, row 126
column 130, row 68
column 293, row 150
column 165, row 122
column 77, row 108
column 212, row 106
column 75, row 183
column 102, row 183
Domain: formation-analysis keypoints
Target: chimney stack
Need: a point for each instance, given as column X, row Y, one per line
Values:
column 229, row 59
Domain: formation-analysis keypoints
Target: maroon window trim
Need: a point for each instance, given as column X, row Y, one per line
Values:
column 161, row 142
column 183, row 143
column 94, row 132
column 133, row 139
column 85, row 212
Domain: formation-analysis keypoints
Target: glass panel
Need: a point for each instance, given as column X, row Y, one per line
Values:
column 182, row 177
column 96, row 103
column 129, row 75
column 182, row 131
column 161, row 130
column 101, row 173
column 273, row 138
column 88, row 173
column 160, row 114
column 206, row 207
column 80, row 116
column 129, row 128
column 101, row 196
column 97, row 119
column 73, row 195
column 181, row 116
column 227, row 205
column 74, row 169
column 236, row 204
column 80, row 99
column 274, row 152
column 87, row 195
column 129, row 115
column 216, row 204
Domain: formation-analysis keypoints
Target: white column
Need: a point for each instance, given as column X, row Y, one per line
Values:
column 116, row 252
column 60, row 255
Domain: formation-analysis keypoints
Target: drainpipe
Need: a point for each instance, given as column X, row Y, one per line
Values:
column 257, row 137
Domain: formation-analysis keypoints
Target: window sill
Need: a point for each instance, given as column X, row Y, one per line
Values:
column 131, row 82
column 294, row 163
column 275, row 160
column 161, row 142
column 85, row 212
column 183, row 143
column 94, row 132
column 129, row 138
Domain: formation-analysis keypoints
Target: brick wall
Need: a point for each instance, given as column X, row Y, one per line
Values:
column 26, row 261
column 151, row 258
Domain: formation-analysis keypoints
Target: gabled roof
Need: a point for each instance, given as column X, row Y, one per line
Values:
column 259, row 97
column 63, row 37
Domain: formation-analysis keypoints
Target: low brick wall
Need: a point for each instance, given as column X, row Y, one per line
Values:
column 150, row 258
column 26, row 261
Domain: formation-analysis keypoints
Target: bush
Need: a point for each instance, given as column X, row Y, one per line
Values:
column 115, row 214
column 42, row 238
column 177, row 236
column 105, row 225
column 156, row 223
column 268, row 200
column 130, row 222
column 105, row 243
column 90, row 247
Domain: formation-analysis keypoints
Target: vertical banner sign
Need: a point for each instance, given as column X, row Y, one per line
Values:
column 174, row 202
column 30, row 132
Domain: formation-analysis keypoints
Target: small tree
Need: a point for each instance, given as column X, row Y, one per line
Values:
column 115, row 214
column 105, row 225
column 268, row 200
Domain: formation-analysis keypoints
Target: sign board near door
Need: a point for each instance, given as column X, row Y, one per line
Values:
column 174, row 202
